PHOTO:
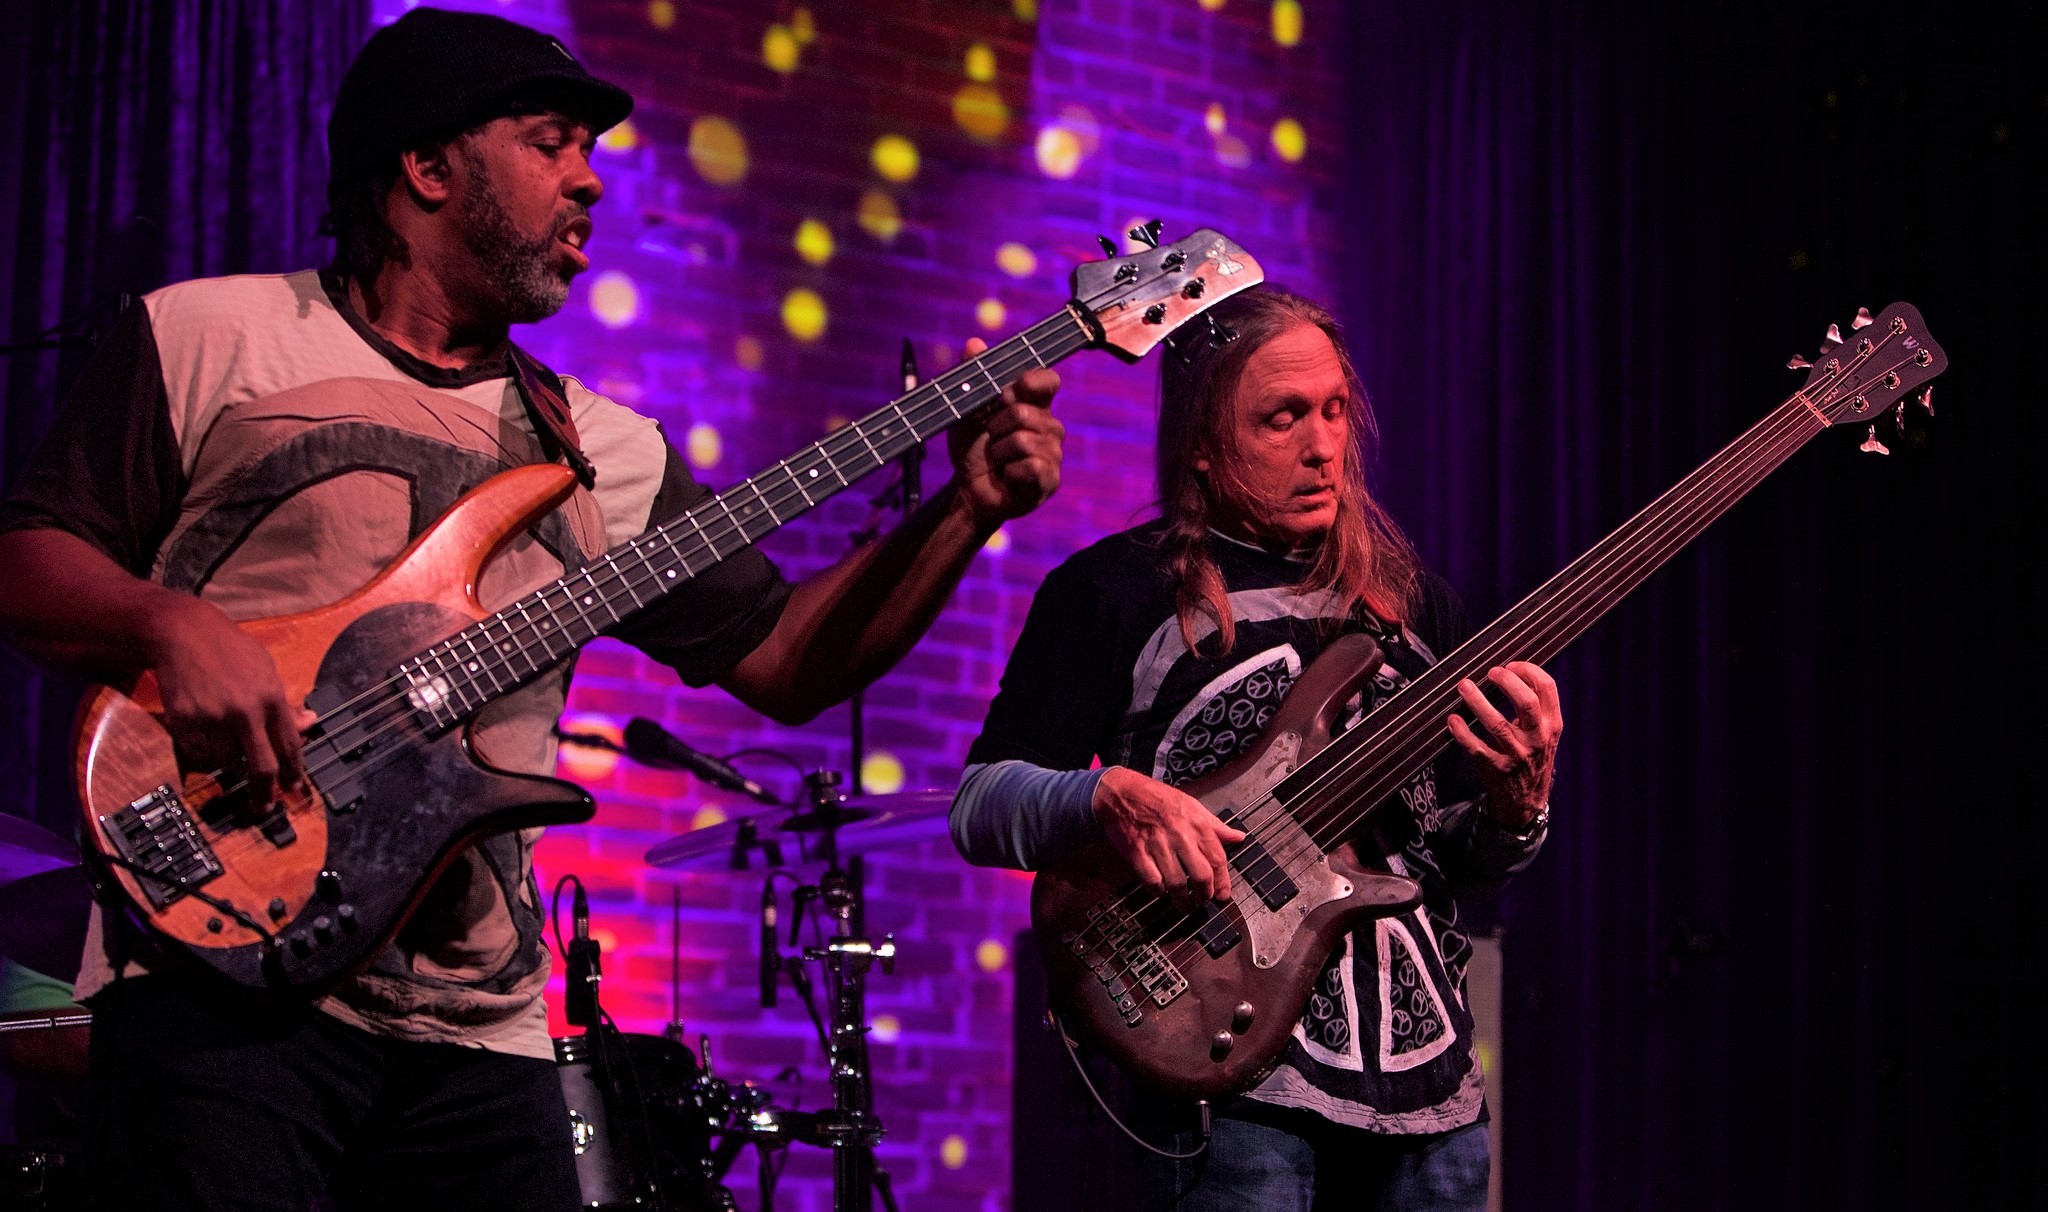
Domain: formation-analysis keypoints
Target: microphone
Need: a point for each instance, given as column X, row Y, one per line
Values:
column 771, row 959
column 579, row 997
column 652, row 745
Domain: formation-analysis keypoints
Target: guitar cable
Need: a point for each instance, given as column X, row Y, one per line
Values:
column 1073, row 1054
column 194, row 891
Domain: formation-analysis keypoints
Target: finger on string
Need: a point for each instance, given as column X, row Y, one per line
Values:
column 1462, row 733
column 1487, row 714
column 1519, row 692
column 1546, row 692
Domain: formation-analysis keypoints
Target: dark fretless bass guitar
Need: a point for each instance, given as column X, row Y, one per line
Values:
column 1200, row 1004
column 298, row 899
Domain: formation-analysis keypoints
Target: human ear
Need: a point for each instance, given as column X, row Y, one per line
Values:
column 427, row 174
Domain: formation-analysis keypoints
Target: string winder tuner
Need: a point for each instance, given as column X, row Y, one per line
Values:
column 1927, row 398
column 1147, row 233
column 1797, row 362
column 1108, row 246
column 1862, row 319
column 1834, row 335
column 1871, row 445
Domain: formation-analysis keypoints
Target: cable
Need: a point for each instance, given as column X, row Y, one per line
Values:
column 1201, row 1104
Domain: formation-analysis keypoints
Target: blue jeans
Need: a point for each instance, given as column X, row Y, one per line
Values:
column 1291, row 1161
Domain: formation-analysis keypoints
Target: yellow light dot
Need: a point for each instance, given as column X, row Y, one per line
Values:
column 779, row 48
column 1214, row 119
column 707, row 816
column 998, row 543
column 953, row 1151
column 606, row 940
column 886, row 1028
column 1059, row 152
column 879, row 216
column 1287, row 22
column 1232, row 152
column 718, row 151
column 990, row 314
column 584, row 762
column 704, row 446
column 981, row 63
column 978, row 109
column 1026, row 10
column 814, row 241
column 804, row 26
column 614, row 300
column 835, row 422
column 661, row 14
column 803, row 314
column 1086, row 129
column 881, row 773
column 1289, row 140
column 991, row 955
column 748, row 353
column 895, row 157
column 621, row 138
column 1017, row 260
column 1212, row 6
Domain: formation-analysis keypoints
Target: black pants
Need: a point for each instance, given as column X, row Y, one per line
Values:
column 206, row 1102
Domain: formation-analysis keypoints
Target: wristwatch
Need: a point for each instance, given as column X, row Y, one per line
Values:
column 1528, row 832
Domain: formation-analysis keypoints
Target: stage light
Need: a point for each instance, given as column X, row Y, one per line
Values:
column 779, row 48
column 991, row 956
column 1231, row 152
column 895, row 157
column 621, row 138
column 814, row 241
column 585, row 763
column 1287, row 22
column 881, row 773
column 704, row 446
column 803, row 26
column 614, row 300
column 803, row 314
column 1059, row 152
column 981, row 63
column 661, row 14
column 999, row 542
column 953, row 1151
column 707, row 816
column 1212, row 6
column 990, row 314
column 879, row 216
column 1026, row 10
column 1017, row 260
column 748, row 353
column 718, row 151
column 1290, row 141
column 1214, row 119
column 979, row 110
column 886, row 1029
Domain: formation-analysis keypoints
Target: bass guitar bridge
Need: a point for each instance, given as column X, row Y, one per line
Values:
column 157, row 836
column 1130, row 966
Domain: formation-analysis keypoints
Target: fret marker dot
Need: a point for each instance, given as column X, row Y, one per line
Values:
column 671, row 574
column 472, row 666
column 814, row 473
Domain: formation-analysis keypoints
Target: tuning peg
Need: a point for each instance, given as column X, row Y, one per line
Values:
column 1147, row 233
column 1899, row 418
column 1795, row 362
column 1927, row 398
column 1834, row 336
column 1872, row 445
column 1108, row 246
column 1862, row 319
column 1220, row 334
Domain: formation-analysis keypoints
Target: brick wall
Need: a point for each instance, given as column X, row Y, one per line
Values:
column 1153, row 108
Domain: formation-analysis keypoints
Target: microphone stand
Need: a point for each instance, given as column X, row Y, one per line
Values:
column 909, row 493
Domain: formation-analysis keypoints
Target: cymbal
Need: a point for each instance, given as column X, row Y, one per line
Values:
column 26, row 848
column 43, row 919
column 866, row 824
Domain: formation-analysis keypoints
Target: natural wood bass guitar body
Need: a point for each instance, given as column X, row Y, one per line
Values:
column 321, row 886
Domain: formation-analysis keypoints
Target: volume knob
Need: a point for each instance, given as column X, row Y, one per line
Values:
column 1221, row 1044
column 1241, row 1018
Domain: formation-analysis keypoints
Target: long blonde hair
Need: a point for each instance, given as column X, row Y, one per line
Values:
column 1365, row 558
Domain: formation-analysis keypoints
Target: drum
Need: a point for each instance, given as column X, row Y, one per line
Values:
column 36, row 1180
column 641, row 1114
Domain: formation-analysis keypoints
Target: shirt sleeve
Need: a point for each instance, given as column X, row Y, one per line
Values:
column 705, row 628
column 1015, row 814
column 109, row 470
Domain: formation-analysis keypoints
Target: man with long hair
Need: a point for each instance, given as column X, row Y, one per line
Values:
column 1162, row 653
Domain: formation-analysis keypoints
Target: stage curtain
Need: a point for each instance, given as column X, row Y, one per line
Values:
column 1780, row 951
column 155, row 140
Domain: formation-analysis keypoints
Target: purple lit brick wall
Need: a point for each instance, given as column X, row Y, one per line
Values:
column 1035, row 125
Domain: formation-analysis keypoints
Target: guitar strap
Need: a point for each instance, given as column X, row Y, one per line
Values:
column 547, row 406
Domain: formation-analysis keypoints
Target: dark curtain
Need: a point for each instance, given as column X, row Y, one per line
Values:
column 1783, row 949
column 157, row 141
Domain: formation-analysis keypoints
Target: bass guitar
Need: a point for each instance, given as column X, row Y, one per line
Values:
column 297, row 900
column 1200, row 1004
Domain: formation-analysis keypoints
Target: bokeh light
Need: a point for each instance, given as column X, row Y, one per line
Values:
column 621, row 138
column 718, row 151
column 895, row 157
column 747, row 351
column 704, row 446
column 707, row 816
column 1026, row 10
column 886, row 1028
column 881, row 773
column 814, row 241
column 804, row 26
column 1287, row 22
column 1232, row 152
column 991, row 956
column 991, row 314
column 1214, row 119
column 953, row 1151
column 1130, row 225
column 979, row 110
column 780, row 48
column 1059, row 152
column 614, row 300
column 587, row 763
column 803, row 314
column 981, row 63
column 661, row 14
column 879, row 216
column 1212, row 6
column 1290, row 141
column 1017, row 260
column 999, row 542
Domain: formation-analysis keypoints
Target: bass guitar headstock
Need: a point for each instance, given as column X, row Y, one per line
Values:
column 1855, row 380
column 1133, row 302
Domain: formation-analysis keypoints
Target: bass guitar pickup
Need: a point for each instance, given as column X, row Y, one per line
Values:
column 163, row 847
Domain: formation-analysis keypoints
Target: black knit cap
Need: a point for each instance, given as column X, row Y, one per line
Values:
column 434, row 73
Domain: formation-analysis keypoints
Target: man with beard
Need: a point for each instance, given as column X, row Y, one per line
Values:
column 253, row 446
